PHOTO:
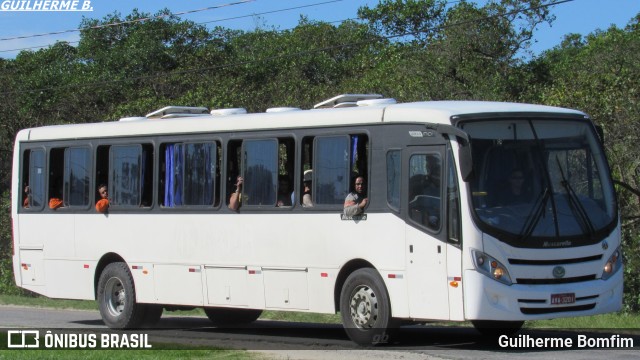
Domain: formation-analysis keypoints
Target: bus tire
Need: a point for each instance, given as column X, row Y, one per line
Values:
column 228, row 316
column 496, row 328
column 365, row 309
column 117, row 298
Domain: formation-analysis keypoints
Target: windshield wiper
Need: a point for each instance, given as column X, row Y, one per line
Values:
column 537, row 212
column 575, row 204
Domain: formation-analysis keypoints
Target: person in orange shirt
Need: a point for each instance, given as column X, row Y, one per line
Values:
column 103, row 204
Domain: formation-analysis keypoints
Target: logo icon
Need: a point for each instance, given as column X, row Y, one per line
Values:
column 558, row 272
column 23, row 338
column 605, row 245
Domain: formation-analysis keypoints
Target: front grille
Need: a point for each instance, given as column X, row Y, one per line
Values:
column 555, row 281
column 554, row 262
column 539, row 311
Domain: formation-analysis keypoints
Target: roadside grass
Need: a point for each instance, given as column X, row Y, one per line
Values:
column 631, row 322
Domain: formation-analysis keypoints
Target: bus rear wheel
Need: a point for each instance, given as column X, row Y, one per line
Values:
column 117, row 298
column 227, row 316
column 365, row 308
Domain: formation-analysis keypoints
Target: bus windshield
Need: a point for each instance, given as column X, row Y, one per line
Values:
column 540, row 183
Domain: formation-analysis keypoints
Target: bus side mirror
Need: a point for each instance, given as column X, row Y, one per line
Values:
column 466, row 162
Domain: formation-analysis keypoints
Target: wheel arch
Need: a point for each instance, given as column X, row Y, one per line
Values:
column 345, row 271
column 106, row 259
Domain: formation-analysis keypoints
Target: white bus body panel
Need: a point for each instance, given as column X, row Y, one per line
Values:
column 228, row 265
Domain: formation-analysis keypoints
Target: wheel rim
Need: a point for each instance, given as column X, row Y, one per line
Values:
column 115, row 296
column 364, row 307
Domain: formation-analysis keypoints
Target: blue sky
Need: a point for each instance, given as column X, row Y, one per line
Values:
column 578, row 16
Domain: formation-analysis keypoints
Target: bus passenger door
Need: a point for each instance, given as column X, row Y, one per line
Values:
column 426, row 245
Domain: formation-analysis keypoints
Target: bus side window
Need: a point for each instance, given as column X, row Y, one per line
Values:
column 188, row 173
column 33, row 178
column 393, row 179
column 332, row 171
column 77, row 176
column 359, row 163
column 425, row 190
column 232, row 169
column 286, row 154
column 453, row 202
column 102, row 169
column 260, row 172
column 56, row 177
column 130, row 178
column 338, row 160
column 306, row 185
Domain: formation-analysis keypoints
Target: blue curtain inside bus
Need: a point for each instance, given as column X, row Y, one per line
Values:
column 173, row 175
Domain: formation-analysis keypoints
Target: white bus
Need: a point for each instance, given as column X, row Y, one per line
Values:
column 488, row 212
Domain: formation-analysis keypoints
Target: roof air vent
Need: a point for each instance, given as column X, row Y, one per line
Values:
column 230, row 111
column 183, row 111
column 373, row 102
column 282, row 109
column 133, row 118
column 346, row 99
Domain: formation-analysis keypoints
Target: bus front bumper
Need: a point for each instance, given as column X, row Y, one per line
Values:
column 488, row 299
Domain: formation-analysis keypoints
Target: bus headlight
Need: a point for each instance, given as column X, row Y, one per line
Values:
column 612, row 265
column 491, row 267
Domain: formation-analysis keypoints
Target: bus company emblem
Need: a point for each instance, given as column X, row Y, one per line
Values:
column 428, row 133
column 558, row 272
column 605, row 245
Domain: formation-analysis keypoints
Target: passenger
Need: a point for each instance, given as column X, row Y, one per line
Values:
column 356, row 201
column 515, row 193
column 103, row 204
column 25, row 202
column 306, row 192
column 55, row 203
column 235, row 200
column 284, row 192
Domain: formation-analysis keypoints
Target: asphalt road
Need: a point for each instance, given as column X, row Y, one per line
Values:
column 295, row 340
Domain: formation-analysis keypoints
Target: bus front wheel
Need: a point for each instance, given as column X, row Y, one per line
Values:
column 365, row 308
column 117, row 298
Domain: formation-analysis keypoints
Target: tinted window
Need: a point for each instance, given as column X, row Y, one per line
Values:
column 393, row 179
column 260, row 159
column 453, row 202
column 331, row 170
column 76, row 176
column 199, row 173
column 36, row 178
column 124, row 187
column 425, row 190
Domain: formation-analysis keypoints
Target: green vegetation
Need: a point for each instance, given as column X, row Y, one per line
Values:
column 405, row 49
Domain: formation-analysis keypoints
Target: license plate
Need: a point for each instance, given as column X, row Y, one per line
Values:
column 561, row 299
